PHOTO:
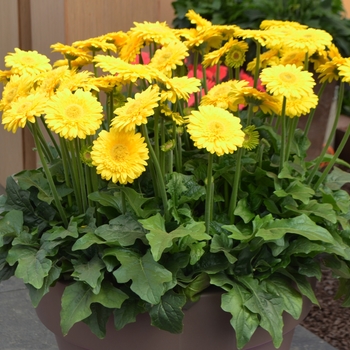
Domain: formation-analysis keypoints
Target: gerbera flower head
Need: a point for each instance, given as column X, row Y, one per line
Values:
column 178, row 87
column 329, row 71
column 19, row 85
column 288, row 81
column 131, row 48
column 251, row 137
column 344, row 70
column 297, row 107
column 267, row 58
column 216, row 130
column 169, row 56
column 223, row 95
column 196, row 19
column 73, row 114
column 272, row 24
column 95, row 44
column 78, row 80
column 136, row 110
column 126, row 71
column 24, row 109
column 235, row 57
column 119, row 156
column 308, row 40
column 293, row 57
column 117, row 38
column 158, row 32
column 71, row 52
column 30, row 62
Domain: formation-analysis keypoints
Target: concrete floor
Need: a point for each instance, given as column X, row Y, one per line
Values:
column 20, row 329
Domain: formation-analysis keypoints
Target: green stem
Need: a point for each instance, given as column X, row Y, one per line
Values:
column 312, row 113
column 159, row 175
column 283, row 134
column 235, row 186
column 292, row 127
column 53, row 188
column 334, row 158
column 209, row 200
column 52, row 138
column 331, row 135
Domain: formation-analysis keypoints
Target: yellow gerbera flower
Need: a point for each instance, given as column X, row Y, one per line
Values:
column 235, row 57
column 215, row 129
column 297, row 107
column 293, row 57
column 329, row 71
column 271, row 24
column 258, row 99
column 211, row 36
column 178, row 87
column 73, row 115
column 49, row 81
column 261, row 36
column 251, row 138
column 131, row 48
column 308, row 40
column 25, row 108
column 30, row 62
column 158, row 32
column 119, row 156
column 5, row 76
column 198, row 20
column 213, row 57
column 136, row 110
column 106, row 83
column 71, row 52
column 288, row 81
column 78, row 80
column 126, row 71
column 267, row 58
column 344, row 70
column 222, row 95
column 19, row 85
column 117, row 38
column 95, row 44
column 169, row 56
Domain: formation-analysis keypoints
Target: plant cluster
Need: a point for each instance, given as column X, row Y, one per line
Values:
column 164, row 172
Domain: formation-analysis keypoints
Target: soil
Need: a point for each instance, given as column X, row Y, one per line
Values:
column 331, row 321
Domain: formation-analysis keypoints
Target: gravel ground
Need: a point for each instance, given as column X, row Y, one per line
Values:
column 331, row 321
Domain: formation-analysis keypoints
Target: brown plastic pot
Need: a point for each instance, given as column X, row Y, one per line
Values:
column 206, row 327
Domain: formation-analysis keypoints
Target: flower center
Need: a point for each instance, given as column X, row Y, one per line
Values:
column 74, row 111
column 120, row 152
column 216, row 128
column 287, row 77
column 28, row 61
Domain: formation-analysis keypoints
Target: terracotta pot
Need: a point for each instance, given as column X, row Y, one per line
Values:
column 206, row 327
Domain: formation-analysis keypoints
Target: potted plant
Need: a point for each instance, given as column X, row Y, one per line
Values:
column 189, row 183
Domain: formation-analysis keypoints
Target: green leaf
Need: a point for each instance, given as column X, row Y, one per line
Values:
column 35, row 178
column 194, row 288
column 337, row 179
column 97, row 321
column 90, row 273
column 268, row 305
column 136, row 201
column 87, row 241
column 33, row 266
column 126, row 313
column 160, row 240
column 167, row 314
column 222, row 243
column 237, row 234
column 147, row 276
column 61, row 233
column 77, row 298
column 300, row 225
column 292, row 300
column 10, row 226
column 322, row 210
column 338, row 199
column 36, row 294
column 298, row 191
column 123, row 230
column 242, row 210
column 243, row 321
column 107, row 199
